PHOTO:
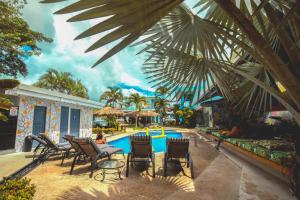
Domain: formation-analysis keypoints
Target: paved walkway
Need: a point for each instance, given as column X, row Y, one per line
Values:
column 218, row 177
column 10, row 163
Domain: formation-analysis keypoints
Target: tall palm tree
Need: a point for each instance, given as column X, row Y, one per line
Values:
column 161, row 106
column 139, row 102
column 62, row 82
column 112, row 96
column 161, row 103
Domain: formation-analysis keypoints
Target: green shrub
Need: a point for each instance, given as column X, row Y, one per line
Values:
column 19, row 189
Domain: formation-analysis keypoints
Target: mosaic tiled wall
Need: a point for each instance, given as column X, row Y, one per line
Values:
column 25, row 119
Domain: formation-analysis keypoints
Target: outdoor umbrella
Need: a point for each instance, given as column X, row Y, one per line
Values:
column 143, row 113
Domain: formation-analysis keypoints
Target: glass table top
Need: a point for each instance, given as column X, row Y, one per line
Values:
column 111, row 164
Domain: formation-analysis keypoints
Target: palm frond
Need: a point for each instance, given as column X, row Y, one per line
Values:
column 128, row 26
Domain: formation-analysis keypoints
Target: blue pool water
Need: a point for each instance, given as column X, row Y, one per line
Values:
column 158, row 144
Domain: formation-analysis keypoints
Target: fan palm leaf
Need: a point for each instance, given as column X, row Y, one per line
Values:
column 128, row 25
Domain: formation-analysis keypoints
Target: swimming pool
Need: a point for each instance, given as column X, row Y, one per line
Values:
column 158, row 144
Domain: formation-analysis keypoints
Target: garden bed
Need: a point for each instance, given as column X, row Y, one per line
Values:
column 279, row 154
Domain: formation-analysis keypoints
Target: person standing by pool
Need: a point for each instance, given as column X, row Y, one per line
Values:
column 100, row 139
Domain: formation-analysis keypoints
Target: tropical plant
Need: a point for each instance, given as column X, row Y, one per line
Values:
column 112, row 96
column 5, row 103
column 161, row 105
column 230, row 30
column 185, row 114
column 240, row 47
column 19, row 189
column 139, row 102
column 161, row 92
column 17, row 40
column 176, row 107
column 62, row 82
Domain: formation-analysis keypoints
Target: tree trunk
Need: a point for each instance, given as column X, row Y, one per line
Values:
column 136, row 121
column 271, row 59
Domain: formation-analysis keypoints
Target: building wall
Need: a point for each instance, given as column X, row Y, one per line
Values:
column 52, row 127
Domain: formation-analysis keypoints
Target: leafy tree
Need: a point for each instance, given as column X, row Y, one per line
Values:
column 112, row 96
column 62, row 82
column 17, row 40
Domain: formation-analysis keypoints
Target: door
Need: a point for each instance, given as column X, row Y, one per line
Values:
column 8, row 131
column 39, row 121
column 64, row 123
column 75, row 122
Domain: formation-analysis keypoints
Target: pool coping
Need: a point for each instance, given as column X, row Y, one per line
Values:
column 119, row 136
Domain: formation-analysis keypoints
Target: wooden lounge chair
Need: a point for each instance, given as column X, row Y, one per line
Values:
column 141, row 151
column 91, row 151
column 55, row 149
column 178, row 149
column 76, row 148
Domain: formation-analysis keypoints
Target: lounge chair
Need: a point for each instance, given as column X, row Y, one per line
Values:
column 141, row 151
column 91, row 151
column 41, row 144
column 176, row 150
column 75, row 146
column 54, row 149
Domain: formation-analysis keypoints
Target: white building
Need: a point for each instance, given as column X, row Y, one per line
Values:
column 40, row 110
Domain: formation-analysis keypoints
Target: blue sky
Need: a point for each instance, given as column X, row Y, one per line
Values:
column 124, row 69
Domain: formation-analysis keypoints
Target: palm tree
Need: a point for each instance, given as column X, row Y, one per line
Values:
column 139, row 102
column 161, row 91
column 62, row 82
column 176, row 107
column 240, row 47
column 112, row 96
column 161, row 105
column 5, row 103
column 256, row 28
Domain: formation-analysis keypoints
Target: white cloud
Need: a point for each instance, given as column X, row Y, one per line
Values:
column 65, row 54
column 127, row 92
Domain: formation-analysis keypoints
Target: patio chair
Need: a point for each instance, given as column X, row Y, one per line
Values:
column 77, row 151
column 54, row 149
column 141, row 151
column 178, row 149
column 91, row 151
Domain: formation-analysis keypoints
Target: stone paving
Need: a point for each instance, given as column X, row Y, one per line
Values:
column 217, row 177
